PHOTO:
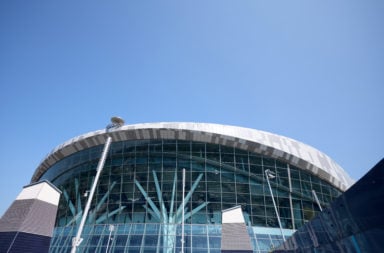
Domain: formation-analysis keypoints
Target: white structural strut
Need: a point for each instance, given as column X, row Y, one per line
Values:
column 77, row 240
column 317, row 200
column 171, row 218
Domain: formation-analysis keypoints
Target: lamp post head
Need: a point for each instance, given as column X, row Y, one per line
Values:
column 116, row 122
column 269, row 174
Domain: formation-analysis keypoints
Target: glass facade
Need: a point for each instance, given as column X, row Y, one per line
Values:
column 138, row 202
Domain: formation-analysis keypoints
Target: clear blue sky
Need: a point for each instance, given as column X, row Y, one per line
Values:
column 309, row 70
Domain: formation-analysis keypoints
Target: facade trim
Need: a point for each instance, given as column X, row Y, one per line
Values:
column 279, row 147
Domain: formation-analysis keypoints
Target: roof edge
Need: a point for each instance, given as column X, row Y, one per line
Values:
column 265, row 143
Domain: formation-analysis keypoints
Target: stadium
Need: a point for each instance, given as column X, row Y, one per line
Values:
column 144, row 202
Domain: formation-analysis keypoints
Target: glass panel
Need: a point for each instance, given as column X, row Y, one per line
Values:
column 127, row 194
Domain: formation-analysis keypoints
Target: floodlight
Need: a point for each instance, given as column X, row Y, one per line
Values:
column 117, row 121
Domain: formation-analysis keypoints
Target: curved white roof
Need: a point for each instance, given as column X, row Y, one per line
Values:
column 285, row 149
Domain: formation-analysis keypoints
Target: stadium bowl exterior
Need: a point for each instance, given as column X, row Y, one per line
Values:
column 138, row 201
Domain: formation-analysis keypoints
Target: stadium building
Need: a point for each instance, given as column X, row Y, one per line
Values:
column 142, row 203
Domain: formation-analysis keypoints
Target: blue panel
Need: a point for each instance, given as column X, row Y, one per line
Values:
column 18, row 242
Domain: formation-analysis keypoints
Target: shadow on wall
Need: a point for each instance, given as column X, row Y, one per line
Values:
column 354, row 222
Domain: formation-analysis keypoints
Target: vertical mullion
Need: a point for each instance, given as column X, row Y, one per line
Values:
column 290, row 196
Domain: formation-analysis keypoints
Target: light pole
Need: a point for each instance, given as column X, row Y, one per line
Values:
column 269, row 174
column 115, row 123
column 182, row 219
column 111, row 228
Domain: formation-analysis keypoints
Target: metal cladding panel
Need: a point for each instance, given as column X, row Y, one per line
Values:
column 30, row 216
column 100, row 140
column 87, row 143
column 33, row 211
column 120, row 136
column 41, row 191
column 182, row 135
column 233, row 215
column 155, row 134
column 234, row 233
column 276, row 146
column 146, row 134
column 14, row 217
